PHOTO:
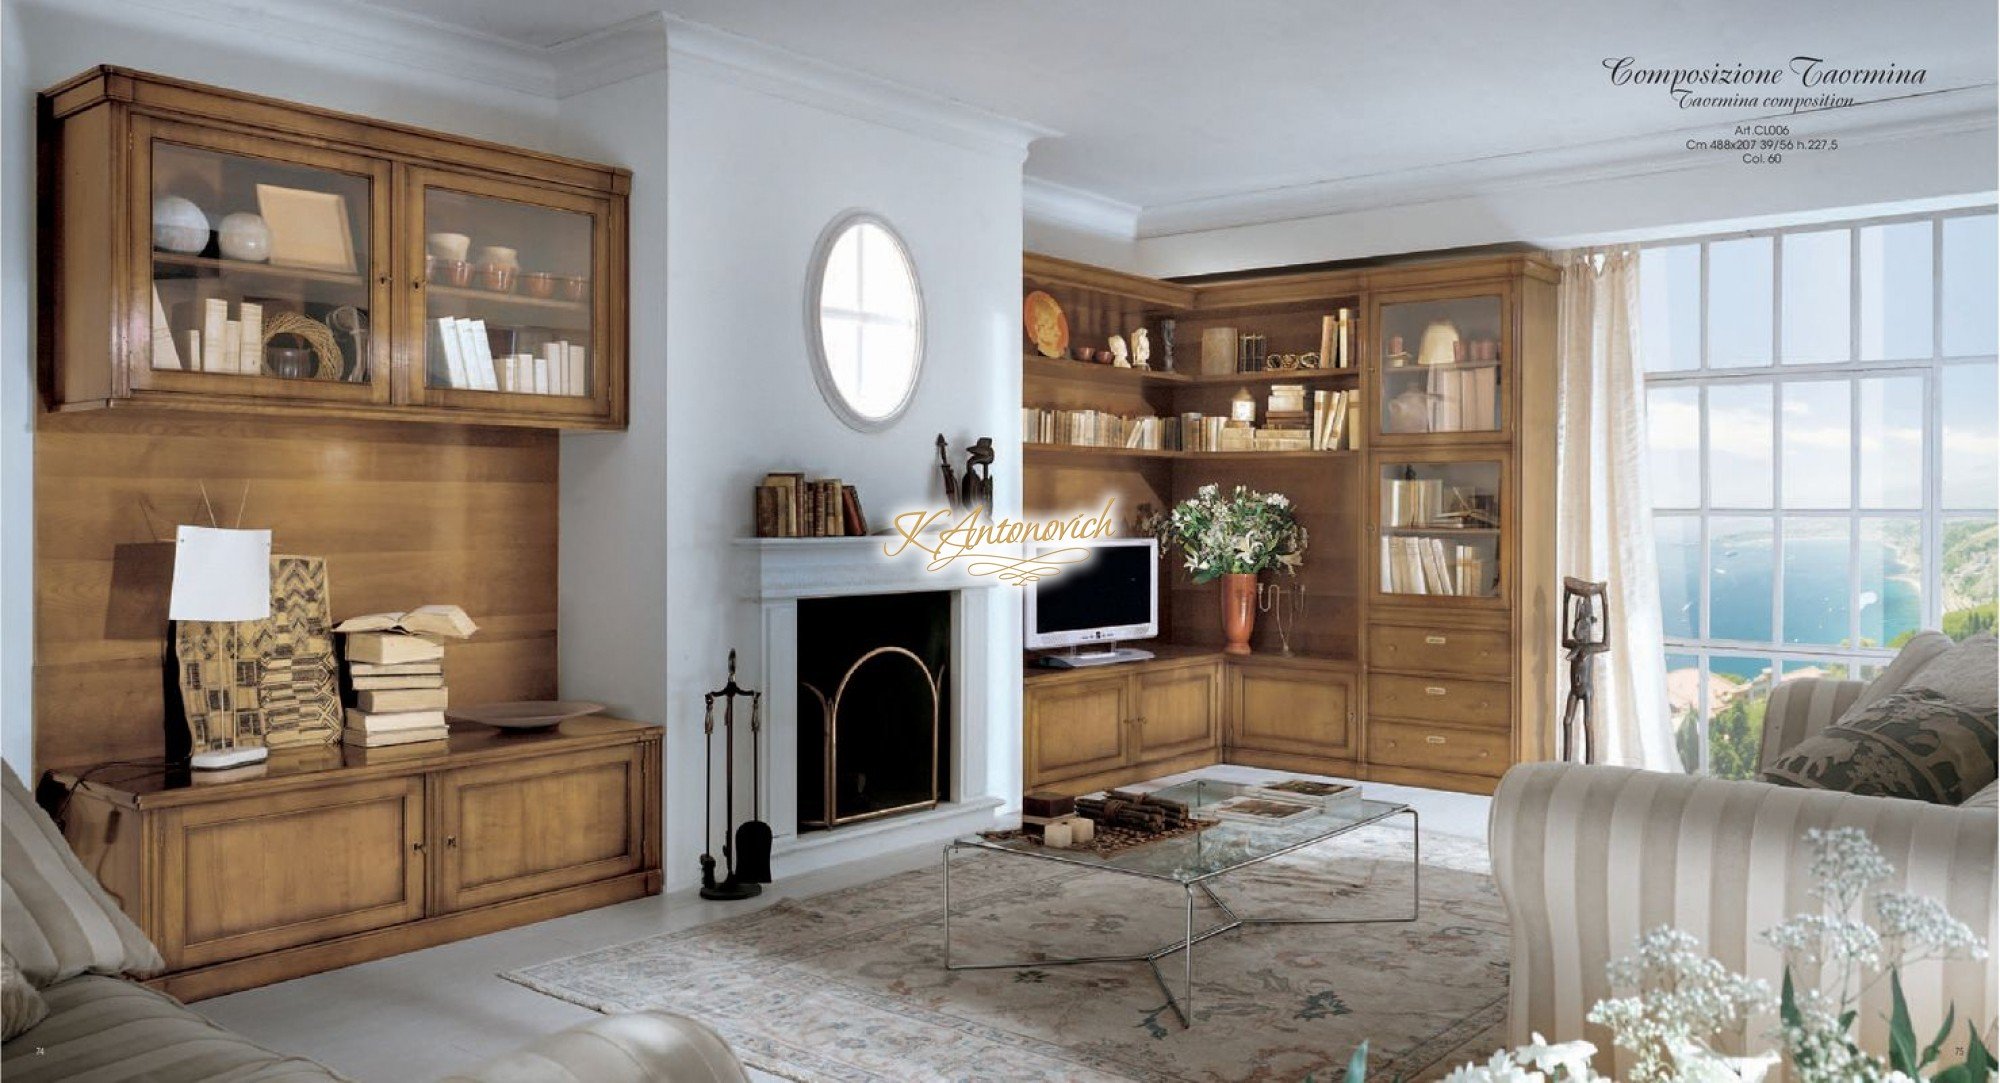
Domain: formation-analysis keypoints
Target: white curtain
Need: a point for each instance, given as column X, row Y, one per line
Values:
column 1604, row 517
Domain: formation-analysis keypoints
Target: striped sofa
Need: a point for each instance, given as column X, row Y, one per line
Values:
column 70, row 1014
column 1589, row 858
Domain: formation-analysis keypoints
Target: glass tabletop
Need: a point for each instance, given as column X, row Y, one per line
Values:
column 1218, row 846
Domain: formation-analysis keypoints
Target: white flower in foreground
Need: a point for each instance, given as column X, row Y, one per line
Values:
column 1922, row 927
column 1845, row 864
column 1501, row 1069
column 1573, row 1058
column 1698, row 1064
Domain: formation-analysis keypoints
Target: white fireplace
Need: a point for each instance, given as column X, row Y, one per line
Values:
column 774, row 576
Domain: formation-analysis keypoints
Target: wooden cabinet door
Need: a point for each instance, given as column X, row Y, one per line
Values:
column 1077, row 727
column 1292, row 709
column 1180, row 711
column 536, row 299
column 510, row 830
column 243, row 877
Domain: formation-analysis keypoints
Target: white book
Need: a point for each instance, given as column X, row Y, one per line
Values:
column 214, row 314
column 454, row 359
column 250, row 355
column 577, row 382
column 468, row 353
column 479, row 362
column 232, row 346
column 539, row 383
column 165, row 356
column 558, row 353
column 548, row 367
column 194, row 347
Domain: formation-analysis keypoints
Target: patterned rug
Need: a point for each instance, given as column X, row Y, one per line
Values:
column 849, row 986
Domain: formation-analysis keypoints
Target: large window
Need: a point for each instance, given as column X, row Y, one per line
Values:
column 1821, row 408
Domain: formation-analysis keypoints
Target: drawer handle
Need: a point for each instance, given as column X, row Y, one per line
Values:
column 1433, row 690
column 451, row 842
column 1433, row 739
column 418, row 846
column 1435, row 641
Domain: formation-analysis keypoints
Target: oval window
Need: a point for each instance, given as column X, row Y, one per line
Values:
column 865, row 318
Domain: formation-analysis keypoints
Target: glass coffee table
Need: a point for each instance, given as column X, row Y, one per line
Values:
column 1192, row 861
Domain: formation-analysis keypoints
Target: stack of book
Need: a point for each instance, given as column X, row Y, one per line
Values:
column 1418, row 565
column 1287, row 422
column 1096, row 428
column 469, row 359
column 219, row 345
column 1412, row 501
column 1463, row 400
column 790, row 506
column 1202, row 432
column 1336, row 420
column 1336, row 340
column 395, row 670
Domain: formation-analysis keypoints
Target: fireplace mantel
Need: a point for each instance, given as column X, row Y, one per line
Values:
column 772, row 576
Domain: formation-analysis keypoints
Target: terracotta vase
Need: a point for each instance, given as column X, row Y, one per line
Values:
column 1239, row 611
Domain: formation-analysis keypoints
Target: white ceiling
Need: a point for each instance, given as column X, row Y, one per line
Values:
column 1168, row 105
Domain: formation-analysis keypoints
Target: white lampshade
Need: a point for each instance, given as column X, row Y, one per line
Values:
column 222, row 575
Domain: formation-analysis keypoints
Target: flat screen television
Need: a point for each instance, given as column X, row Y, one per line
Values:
column 1110, row 597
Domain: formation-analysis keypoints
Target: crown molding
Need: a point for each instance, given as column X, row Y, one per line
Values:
column 1059, row 204
column 1937, row 113
column 362, row 29
column 701, row 49
column 614, row 54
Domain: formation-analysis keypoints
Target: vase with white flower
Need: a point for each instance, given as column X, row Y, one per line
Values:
column 1233, row 538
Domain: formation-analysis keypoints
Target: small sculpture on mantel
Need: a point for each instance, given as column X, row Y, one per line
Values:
column 1120, row 356
column 1142, row 349
column 945, row 471
column 975, row 489
column 1587, row 610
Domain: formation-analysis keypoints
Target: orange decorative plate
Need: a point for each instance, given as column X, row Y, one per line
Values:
column 1047, row 327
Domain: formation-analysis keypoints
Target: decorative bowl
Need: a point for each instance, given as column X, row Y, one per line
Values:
column 575, row 287
column 497, row 277
column 291, row 362
column 539, row 284
column 454, row 272
column 526, row 716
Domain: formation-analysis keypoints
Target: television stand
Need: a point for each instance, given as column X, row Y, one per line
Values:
column 1078, row 658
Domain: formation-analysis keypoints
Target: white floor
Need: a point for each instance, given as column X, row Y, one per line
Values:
column 420, row 1015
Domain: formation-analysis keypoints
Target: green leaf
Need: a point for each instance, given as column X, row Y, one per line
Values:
column 1357, row 1065
column 1902, row 1034
column 1977, row 1058
column 1788, row 1005
column 1931, row 1050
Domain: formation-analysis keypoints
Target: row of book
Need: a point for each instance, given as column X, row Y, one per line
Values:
column 1412, row 501
column 1333, row 424
column 1464, row 400
column 788, row 505
column 470, row 361
column 395, row 669
column 219, row 345
column 1096, row 428
column 1416, row 565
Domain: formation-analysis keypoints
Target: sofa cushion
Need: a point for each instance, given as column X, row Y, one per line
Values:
column 110, row 1029
column 1922, row 649
column 1988, row 798
column 56, row 921
column 20, row 1006
column 1933, row 739
column 630, row 1048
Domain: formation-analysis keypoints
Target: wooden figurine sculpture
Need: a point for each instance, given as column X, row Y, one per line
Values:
column 975, row 489
column 1120, row 356
column 945, row 471
column 1142, row 349
column 1585, row 607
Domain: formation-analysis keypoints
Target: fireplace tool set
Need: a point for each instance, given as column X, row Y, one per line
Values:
column 747, row 863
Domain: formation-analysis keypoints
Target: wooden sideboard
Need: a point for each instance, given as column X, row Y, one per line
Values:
column 334, row 856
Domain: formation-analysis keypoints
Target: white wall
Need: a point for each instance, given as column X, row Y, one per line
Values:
column 46, row 41
column 735, row 177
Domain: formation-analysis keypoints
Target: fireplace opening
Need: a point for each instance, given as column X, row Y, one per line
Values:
column 874, row 706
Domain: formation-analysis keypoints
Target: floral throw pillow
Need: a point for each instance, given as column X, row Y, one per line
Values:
column 1921, row 742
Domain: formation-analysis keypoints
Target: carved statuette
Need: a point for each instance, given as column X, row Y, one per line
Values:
column 1142, row 349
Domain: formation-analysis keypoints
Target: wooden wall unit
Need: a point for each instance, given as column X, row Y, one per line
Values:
column 114, row 141
column 1430, row 690
column 403, row 514
column 338, row 855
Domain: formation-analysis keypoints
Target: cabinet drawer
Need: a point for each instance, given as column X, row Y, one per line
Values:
column 509, row 830
column 1475, row 651
column 1300, row 711
column 1437, row 748
column 1180, row 711
column 1077, row 727
column 1445, row 699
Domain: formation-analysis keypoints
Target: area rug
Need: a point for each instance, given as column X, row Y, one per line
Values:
column 850, row 986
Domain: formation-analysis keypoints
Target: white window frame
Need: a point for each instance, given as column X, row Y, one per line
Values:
column 853, row 320
column 1779, row 374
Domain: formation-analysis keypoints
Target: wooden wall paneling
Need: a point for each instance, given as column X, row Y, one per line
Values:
column 404, row 514
column 1538, row 617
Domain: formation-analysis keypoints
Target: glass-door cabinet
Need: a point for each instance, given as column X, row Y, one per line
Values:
column 204, row 249
column 513, row 314
column 266, row 269
column 1442, row 366
column 1440, row 528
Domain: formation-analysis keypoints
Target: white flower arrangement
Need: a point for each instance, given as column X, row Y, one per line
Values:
column 1246, row 531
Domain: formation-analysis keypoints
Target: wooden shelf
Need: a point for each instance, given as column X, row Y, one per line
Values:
column 1437, row 531
column 198, row 264
column 511, row 299
column 1413, row 369
column 1056, row 368
column 1086, row 452
column 1273, row 376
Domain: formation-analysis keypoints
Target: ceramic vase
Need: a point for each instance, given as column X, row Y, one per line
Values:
column 1239, row 611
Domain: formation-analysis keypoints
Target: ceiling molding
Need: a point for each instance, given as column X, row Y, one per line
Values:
column 1061, row 205
column 366, row 30
column 753, row 65
column 614, row 54
column 1914, row 116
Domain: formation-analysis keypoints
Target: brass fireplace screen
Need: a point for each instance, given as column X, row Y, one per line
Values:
column 892, row 773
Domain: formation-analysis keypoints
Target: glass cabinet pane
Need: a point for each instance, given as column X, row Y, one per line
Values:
column 260, row 267
column 1440, row 528
column 1441, row 366
column 509, row 296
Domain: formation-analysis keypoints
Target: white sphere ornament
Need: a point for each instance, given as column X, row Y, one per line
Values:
column 244, row 236
column 179, row 225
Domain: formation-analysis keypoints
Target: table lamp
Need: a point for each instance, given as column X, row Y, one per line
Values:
column 221, row 577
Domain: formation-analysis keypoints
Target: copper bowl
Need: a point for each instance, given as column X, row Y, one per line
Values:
column 575, row 287
column 498, row 277
column 453, row 272
column 1084, row 353
column 539, row 284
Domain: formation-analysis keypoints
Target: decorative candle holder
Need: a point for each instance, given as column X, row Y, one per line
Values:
column 1285, row 604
